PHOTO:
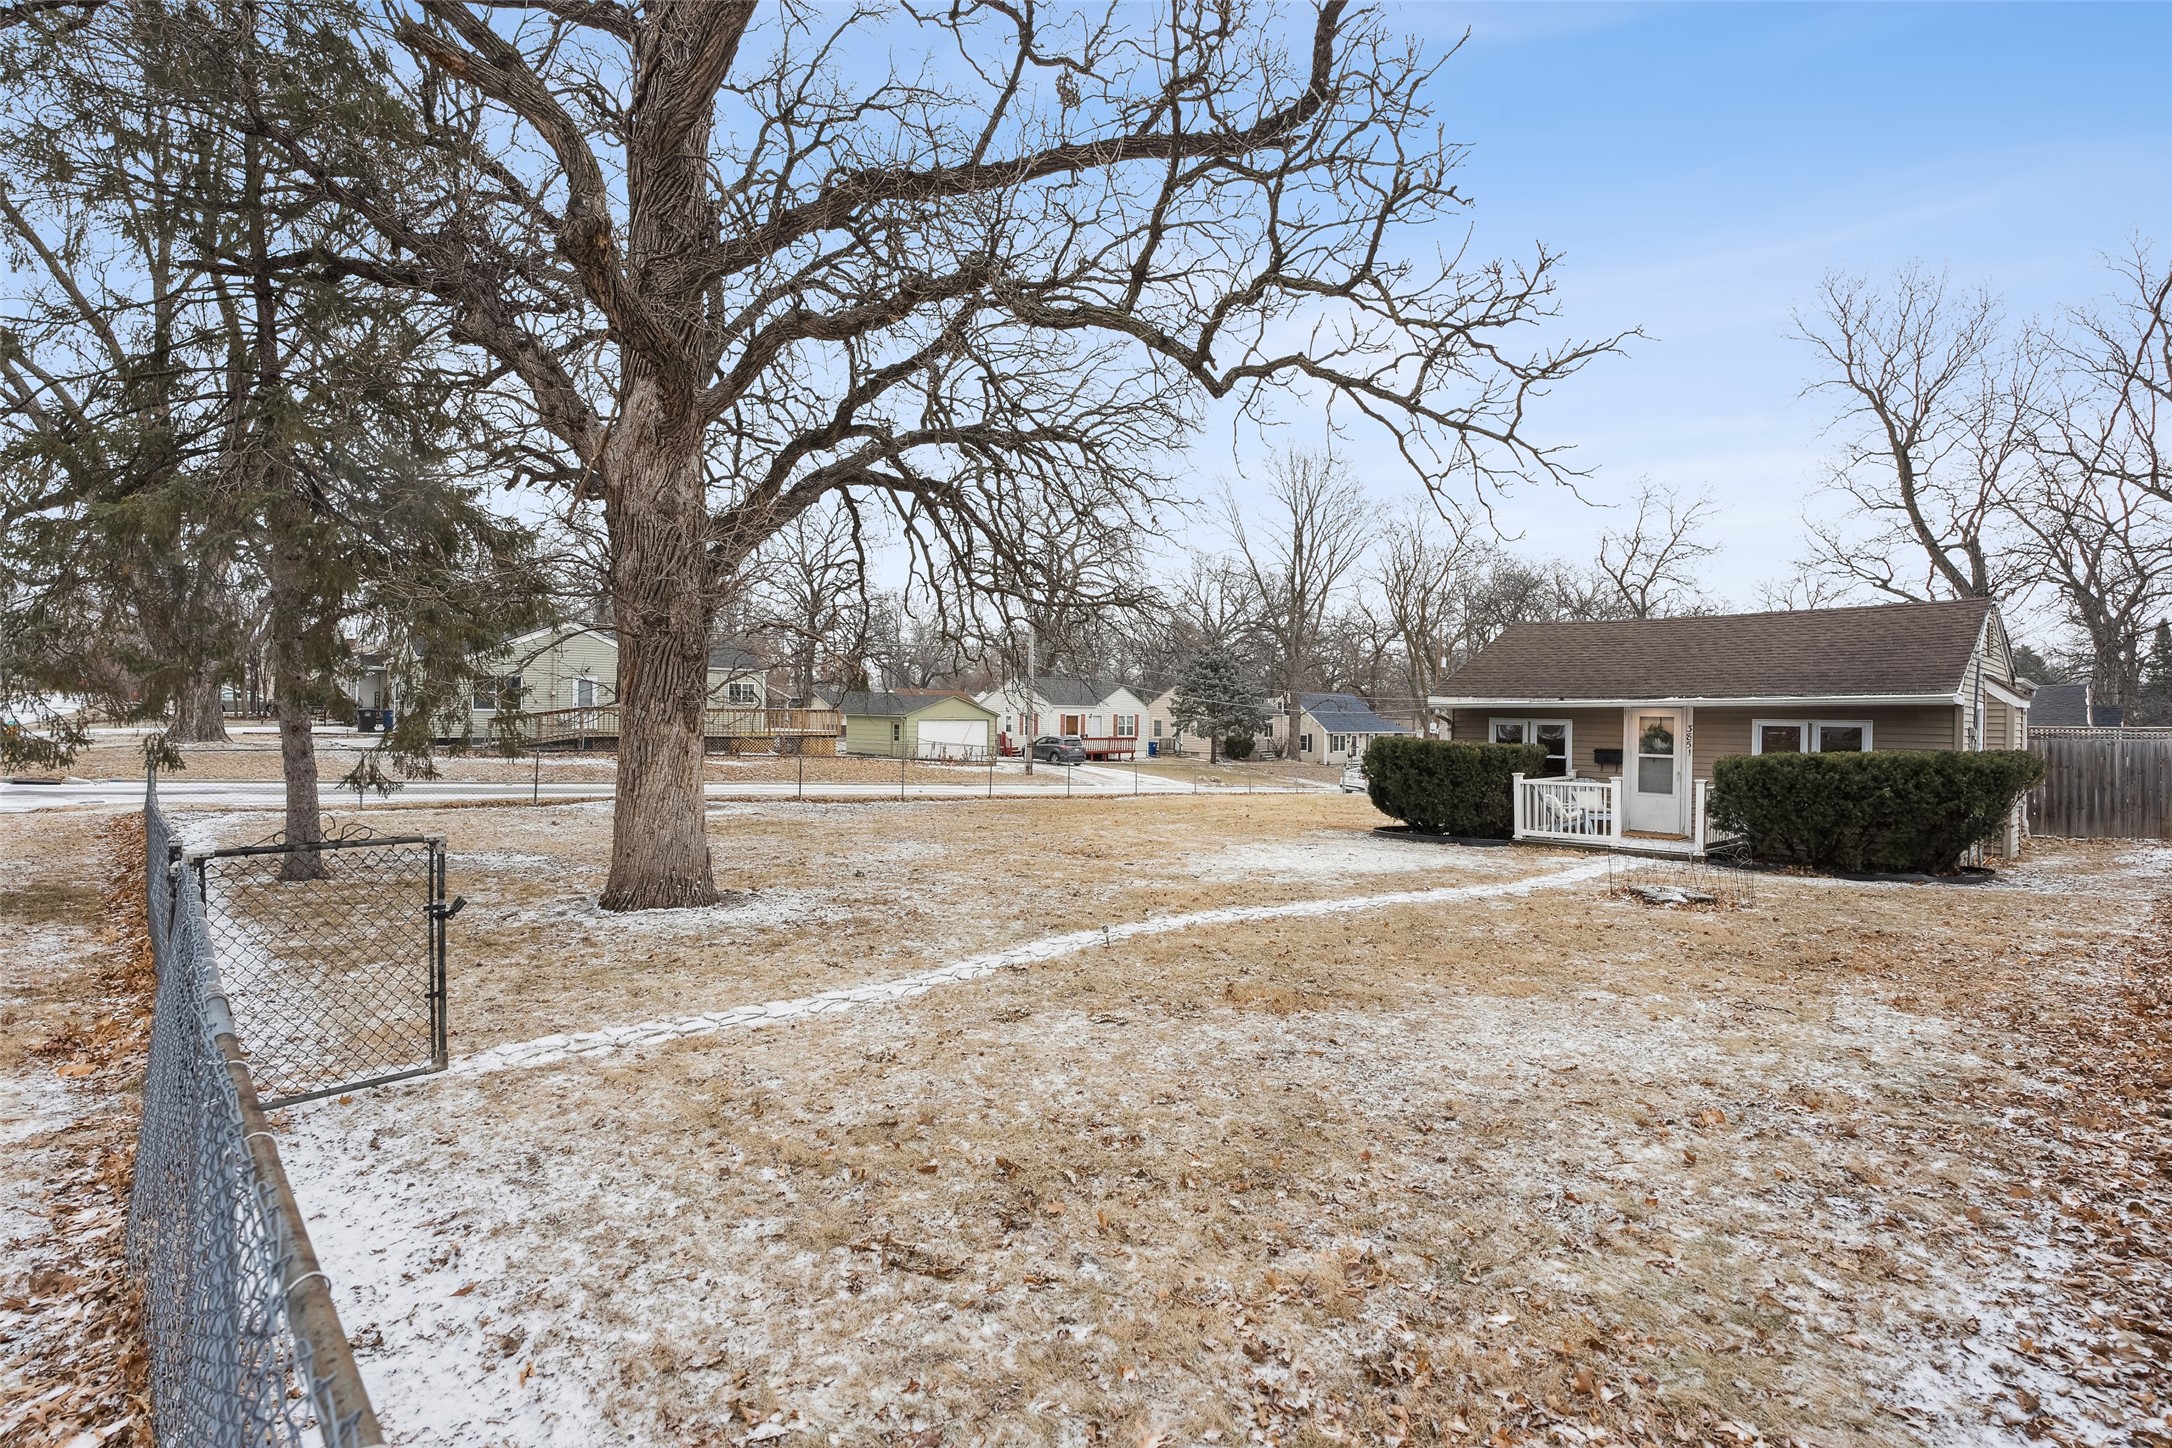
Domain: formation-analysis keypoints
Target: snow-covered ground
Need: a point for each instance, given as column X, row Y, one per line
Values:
column 1508, row 1149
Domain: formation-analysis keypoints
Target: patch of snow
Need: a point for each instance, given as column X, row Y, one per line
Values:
column 549, row 1050
column 1339, row 854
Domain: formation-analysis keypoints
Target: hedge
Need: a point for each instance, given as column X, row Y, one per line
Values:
column 1449, row 787
column 1917, row 812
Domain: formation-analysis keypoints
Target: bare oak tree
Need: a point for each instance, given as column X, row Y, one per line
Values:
column 737, row 262
column 1420, row 577
column 2095, row 511
column 1932, row 428
column 1650, row 565
column 1298, row 543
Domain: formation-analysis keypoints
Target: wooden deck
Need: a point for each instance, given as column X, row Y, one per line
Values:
column 598, row 728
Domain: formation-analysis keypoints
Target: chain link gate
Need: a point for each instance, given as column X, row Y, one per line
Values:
column 333, row 958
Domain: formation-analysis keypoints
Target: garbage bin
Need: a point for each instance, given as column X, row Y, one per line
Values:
column 1153, row 748
column 370, row 721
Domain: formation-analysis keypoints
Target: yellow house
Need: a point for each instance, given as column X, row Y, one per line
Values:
column 575, row 666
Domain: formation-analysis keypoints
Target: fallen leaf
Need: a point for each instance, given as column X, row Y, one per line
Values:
column 1711, row 1116
column 1585, row 1382
column 74, row 1070
column 464, row 1291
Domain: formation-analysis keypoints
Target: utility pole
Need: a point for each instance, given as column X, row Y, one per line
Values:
column 1032, row 720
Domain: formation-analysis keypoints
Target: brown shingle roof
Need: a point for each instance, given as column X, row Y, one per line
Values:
column 1882, row 650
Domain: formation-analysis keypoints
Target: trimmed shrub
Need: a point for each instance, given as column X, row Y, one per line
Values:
column 1915, row 812
column 1237, row 746
column 1449, row 787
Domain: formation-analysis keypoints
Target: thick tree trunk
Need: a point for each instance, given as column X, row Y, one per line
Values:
column 297, row 750
column 298, row 762
column 197, row 715
column 657, row 513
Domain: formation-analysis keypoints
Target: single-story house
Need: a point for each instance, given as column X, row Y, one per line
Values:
column 1106, row 717
column 917, row 725
column 1162, row 727
column 575, row 666
column 1336, row 728
column 1652, row 702
column 567, row 669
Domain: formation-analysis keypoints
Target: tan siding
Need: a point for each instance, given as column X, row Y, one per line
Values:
column 1717, row 733
column 1721, row 732
column 1589, row 730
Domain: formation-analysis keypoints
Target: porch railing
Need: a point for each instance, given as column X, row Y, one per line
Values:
column 1573, row 811
column 1589, row 812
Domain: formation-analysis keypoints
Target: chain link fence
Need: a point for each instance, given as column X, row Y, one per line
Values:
column 245, row 1348
column 333, row 957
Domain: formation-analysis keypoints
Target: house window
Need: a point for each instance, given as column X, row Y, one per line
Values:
column 1304, row 744
column 1842, row 738
column 1157, row 729
column 1768, row 738
column 502, row 694
column 584, row 693
column 742, row 691
column 1127, row 726
column 1812, row 736
column 897, row 732
column 1556, row 736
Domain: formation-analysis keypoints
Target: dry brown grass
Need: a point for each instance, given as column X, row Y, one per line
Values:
column 77, row 988
column 1473, row 1171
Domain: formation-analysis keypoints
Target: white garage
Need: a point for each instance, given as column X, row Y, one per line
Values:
column 952, row 738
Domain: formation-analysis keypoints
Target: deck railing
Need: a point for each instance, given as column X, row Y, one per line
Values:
column 599, row 723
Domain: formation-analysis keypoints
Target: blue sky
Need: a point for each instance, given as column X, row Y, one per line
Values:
column 1702, row 165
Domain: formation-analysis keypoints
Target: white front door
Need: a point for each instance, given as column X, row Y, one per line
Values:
column 1655, row 784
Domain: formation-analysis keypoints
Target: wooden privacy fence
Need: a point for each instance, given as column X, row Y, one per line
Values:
column 2103, row 784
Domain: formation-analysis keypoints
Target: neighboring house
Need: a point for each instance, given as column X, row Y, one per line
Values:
column 2061, row 706
column 2072, row 706
column 1336, row 728
column 575, row 666
column 1652, row 702
column 1161, row 726
column 917, row 725
column 1106, row 717
column 370, row 686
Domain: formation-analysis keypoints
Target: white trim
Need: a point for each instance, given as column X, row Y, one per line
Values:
column 1812, row 743
column 1816, row 725
column 1776, row 701
column 2005, row 695
column 1531, row 725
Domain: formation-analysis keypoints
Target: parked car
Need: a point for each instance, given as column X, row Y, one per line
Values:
column 1066, row 750
column 1353, row 778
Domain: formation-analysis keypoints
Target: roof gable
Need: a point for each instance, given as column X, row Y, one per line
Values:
column 1883, row 650
column 1346, row 714
column 900, row 703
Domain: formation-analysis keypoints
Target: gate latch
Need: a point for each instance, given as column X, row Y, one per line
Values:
column 447, row 912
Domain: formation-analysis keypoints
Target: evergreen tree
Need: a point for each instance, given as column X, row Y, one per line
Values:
column 1214, row 699
column 2156, row 699
column 212, row 430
